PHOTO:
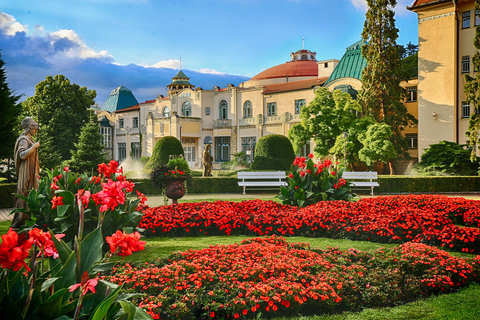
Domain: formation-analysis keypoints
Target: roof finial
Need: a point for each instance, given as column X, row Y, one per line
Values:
column 180, row 62
column 303, row 43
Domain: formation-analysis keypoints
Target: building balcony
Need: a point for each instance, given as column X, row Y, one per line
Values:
column 247, row 121
column 274, row 119
column 222, row 123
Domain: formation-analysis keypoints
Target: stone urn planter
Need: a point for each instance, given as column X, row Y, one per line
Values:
column 175, row 188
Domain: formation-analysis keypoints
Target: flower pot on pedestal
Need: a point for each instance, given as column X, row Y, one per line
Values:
column 175, row 189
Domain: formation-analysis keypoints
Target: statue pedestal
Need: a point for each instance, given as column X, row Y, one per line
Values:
column 175, row 189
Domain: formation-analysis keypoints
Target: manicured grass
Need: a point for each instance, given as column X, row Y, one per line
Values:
column 461, row 305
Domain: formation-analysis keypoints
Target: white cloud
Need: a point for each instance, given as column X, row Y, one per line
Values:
column 80, row 50
column 400, row 8
column 209, row 71
column 170, row 63
column 10, row 26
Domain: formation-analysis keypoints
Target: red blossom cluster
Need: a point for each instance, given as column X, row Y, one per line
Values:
column 44, row 242
column 419, row 218
column 270, row 276
column 112, row 194
column 108, row 170
column 14, row 250
column 124, row 244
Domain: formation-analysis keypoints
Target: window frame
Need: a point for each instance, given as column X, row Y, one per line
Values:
column 271, row 109
column 186, row 109
column 465, row 64
column 106, row 133
column 166, row 112
column 247, row 106
column 412, row 140
column 135, row 122
column 412, row 94
column 466, row 110
column 122, row 151
column 299, row 105
column 135, row 150
column 466, row 17
column 222, row 148
column 223, row 110
column 121, row 123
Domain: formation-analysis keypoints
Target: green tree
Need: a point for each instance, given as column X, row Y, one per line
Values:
column 88, row 150
column 10, row 110
column 377, row 145
column 164, row 148
column 331, row 121
column 472, row 93
column 61, row 109
column 381, row 94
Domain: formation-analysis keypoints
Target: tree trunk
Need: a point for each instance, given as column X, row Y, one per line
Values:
column 390, row 166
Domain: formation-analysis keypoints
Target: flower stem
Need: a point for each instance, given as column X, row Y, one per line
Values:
column 32, row 283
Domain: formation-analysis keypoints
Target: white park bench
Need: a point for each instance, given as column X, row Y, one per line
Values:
column 260, row 179
column 369, row 176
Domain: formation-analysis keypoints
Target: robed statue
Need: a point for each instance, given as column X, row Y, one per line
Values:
column 207, row 161
column 26, row 166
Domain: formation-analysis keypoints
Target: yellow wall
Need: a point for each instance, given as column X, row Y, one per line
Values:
column 437, row 66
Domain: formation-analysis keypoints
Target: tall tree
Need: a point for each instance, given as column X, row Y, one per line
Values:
column 10, row 110
column 61, row 108
column 381, row 94
column 88, row 150
column 472, row 93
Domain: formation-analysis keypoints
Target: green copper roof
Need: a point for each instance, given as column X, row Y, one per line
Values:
column 120, row 98
column 180, row 79
column 180, row 74
column 351, row 64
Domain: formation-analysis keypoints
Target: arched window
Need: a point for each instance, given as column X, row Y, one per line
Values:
column 187, row 109
column 247, row 109
column 166, row 112
column 223, row 110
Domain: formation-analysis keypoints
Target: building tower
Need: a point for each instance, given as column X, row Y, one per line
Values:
column 179, row 82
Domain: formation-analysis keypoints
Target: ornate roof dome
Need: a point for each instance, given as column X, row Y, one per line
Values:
column 120, row 98
column 303, row 63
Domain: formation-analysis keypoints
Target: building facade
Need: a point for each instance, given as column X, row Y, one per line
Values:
column 445, row 37
column 233, row 119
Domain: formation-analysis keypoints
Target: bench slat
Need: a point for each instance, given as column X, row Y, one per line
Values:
column 360, row 175
column 261, row 183
column 364, row 184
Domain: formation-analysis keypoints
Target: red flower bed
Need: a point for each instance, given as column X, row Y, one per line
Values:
column 272, row 277
column 398, row 219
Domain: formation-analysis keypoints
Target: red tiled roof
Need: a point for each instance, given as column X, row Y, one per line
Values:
column 295, row 85
column 132, row 108
column 299, row 68
column 224, row 89
column 419, row 3
column 149, row 101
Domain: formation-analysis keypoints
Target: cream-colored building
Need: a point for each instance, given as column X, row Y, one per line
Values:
column 445, row 37
column 232, row 119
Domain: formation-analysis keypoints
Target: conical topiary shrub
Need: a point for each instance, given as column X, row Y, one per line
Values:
column 273, row 152
column 164, row 148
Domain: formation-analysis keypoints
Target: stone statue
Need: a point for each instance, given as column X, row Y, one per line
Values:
column 27, row 167
column 207, row 161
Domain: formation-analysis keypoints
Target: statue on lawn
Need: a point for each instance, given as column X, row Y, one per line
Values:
column 26, row 166
column 207, row 161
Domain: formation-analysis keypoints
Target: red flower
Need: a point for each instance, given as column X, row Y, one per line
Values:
column 290, row 175
column 57, row 201
column 44, row 242
column 66, row 169
column 125, row 243
column 311, row 156
column 111, row 195
column 108, row 170
column 14, row 250
column 86, row 284
column 83, row 197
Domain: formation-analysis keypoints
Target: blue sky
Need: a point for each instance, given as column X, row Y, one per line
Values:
column 102, row 44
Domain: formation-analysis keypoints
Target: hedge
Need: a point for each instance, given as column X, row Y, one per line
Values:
column 6, row 194
column 388, row 184
column 403, row 184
